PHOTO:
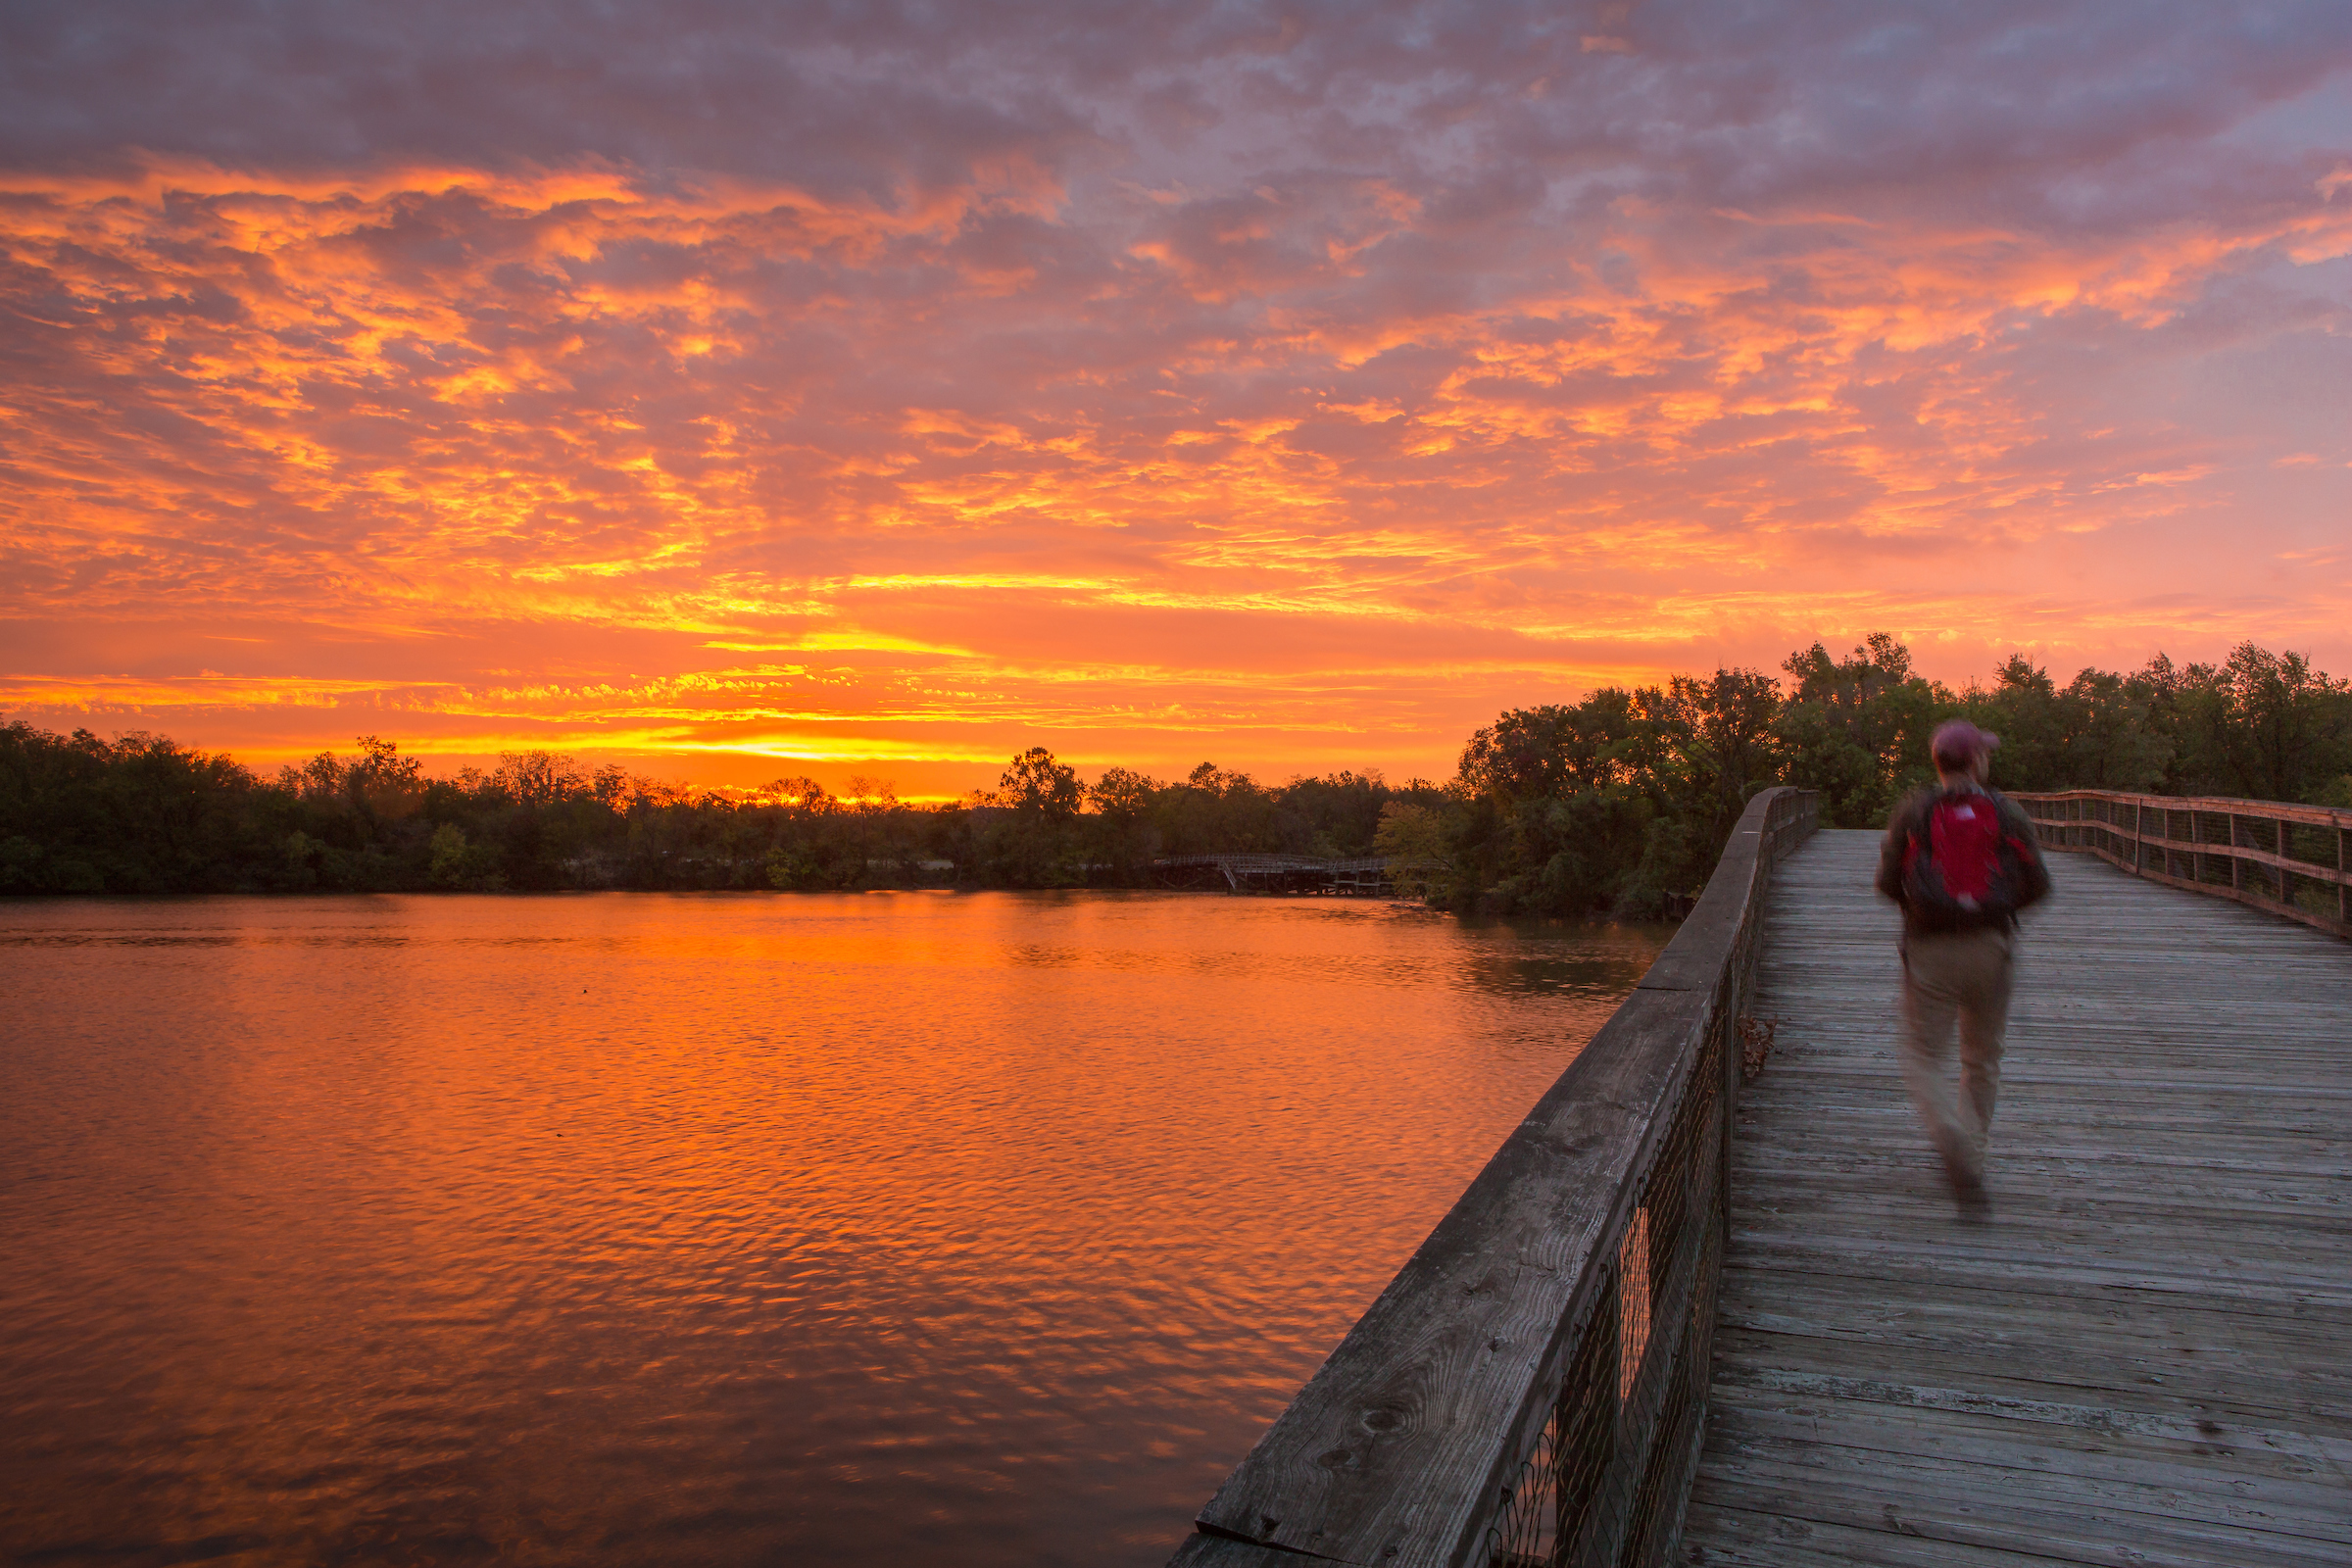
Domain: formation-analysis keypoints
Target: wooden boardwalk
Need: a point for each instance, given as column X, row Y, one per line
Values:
column 2145, row 1356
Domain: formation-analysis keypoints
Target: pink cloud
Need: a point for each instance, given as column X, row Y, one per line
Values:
column 1194, row 383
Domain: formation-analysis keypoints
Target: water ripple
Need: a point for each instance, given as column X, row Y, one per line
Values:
column 642, row 1229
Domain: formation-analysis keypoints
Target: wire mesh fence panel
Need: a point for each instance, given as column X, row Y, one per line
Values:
column 1657, row 1509
column 1633, row 1297
column 1585, row 1415
column 1524, row 1533
column 2312, row 843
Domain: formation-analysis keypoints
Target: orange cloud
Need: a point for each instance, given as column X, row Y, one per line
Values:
column 1157, row 450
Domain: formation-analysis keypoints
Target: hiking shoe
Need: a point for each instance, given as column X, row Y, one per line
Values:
column 1968, row 1190
column 1975, row 1203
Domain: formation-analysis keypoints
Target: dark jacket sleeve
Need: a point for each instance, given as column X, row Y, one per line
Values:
column 1899, row 828
column 2020, row 827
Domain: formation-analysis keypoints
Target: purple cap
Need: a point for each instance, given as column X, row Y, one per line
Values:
column 1958, row 743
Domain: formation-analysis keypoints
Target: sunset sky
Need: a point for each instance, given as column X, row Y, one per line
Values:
column 866, row 389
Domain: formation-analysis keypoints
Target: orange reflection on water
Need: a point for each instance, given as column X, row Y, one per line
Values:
column 644, row 1229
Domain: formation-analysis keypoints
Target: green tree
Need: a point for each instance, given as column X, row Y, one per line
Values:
column 458, row 866
column 1558, row 804
column 1036, row 784
column 1028, row 839
column 2283, row 731
column 1334, row 814
column 2022, row 707
column 814, row 842
column 2111, row 742
column 1412, row 838
column 1856, row 729
column 1217, row 811
column 1728, row 734
column 1125, row 839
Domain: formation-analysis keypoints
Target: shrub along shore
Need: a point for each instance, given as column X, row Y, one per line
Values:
column 1619, row 803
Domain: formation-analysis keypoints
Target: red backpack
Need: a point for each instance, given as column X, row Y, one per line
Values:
column 1962, row 871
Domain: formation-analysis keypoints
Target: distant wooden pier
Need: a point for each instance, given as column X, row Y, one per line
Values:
column 1682, row 1319
column 1366, row 878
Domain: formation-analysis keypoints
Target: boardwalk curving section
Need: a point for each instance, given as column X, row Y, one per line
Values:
column 2145, row 1356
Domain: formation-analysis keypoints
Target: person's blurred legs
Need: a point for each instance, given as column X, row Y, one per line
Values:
column 1930, row 1010
column 1961, row 979
column 1983, row 1027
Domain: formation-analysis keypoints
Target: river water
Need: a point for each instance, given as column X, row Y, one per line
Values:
column 633, row 1229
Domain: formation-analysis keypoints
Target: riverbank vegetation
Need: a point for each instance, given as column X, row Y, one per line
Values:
column 1623, row 802
column 1618, row 803
column 139, row 814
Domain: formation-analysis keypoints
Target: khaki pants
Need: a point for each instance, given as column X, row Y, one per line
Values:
column 1964, row 976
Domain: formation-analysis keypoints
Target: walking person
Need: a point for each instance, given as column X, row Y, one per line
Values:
column 1961, row 861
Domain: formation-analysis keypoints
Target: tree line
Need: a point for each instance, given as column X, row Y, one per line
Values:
column 1618, row 803
column 140, row 813
column 1623, row 802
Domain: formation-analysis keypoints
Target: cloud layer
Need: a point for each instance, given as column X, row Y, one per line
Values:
column 804, row 389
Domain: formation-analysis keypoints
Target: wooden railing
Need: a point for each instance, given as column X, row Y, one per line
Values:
column 2294, row 860
column 1531, row 1386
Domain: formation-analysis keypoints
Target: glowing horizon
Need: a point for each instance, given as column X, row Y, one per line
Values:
column 863, row 396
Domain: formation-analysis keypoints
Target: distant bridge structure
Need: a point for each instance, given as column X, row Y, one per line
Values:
column 1365, row 878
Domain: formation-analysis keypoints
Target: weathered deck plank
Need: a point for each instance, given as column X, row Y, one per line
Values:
column 2146, row 1355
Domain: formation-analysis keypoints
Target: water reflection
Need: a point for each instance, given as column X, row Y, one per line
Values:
column 645, row 1229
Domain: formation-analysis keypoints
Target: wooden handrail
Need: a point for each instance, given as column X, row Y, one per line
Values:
column 1531, row 1386
column 2284, row 811
column 2116, row 826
